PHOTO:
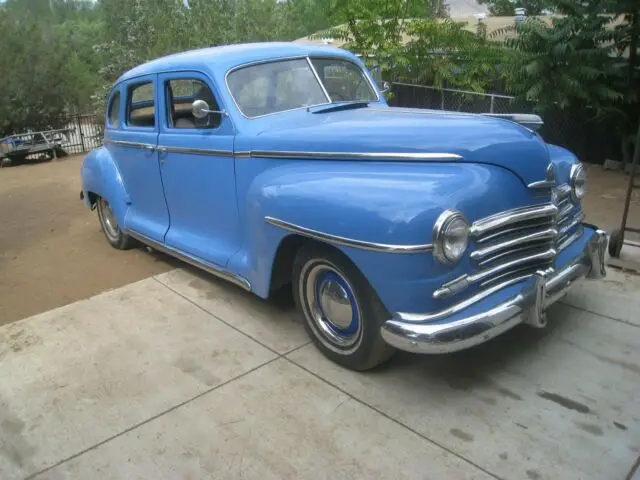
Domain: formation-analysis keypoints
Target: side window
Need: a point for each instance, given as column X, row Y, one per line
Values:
column 114, row 111
column 181, row 93
column 141, row 108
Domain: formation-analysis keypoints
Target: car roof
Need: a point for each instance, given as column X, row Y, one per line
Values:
column 229, row 56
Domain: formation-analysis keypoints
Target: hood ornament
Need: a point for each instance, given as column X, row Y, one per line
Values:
column 548, row 182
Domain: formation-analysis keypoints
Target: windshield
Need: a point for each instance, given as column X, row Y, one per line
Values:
column 288, row 84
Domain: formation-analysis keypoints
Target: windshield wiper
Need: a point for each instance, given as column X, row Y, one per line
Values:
column 336, row 106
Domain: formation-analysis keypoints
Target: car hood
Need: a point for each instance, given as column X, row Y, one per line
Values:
column 476, row 138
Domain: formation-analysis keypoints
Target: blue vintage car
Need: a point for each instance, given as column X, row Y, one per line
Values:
column 280, row 164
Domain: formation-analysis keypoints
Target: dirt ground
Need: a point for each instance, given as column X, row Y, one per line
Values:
column 52, row 251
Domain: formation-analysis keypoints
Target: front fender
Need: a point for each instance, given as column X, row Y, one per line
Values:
column 384, row 203
column 100, row 176
column 562, row 160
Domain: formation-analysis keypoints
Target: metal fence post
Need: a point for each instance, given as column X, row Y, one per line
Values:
column 492, row 102
column 80, row 130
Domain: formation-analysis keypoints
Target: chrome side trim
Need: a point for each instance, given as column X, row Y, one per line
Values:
column 348, row 242
column 196, row 151
column 499, row 220
column 123, row 143
column 196, row 262
column 409, row 156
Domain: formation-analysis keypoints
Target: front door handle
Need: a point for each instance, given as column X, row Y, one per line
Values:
column 162, row 154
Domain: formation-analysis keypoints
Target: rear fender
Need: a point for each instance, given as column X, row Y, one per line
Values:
column 100, row 176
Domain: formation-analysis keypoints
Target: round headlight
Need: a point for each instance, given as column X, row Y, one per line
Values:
column 450, row 236
column 578, row 181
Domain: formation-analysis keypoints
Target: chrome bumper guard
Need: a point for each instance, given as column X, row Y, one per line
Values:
column 419, row 334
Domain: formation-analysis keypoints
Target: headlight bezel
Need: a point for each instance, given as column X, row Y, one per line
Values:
column 577, row 169
column 444, row 222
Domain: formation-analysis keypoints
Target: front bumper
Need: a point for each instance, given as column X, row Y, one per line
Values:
column 431, row 333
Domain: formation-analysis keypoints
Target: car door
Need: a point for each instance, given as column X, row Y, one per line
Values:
column 133, row 146
column 198, row 173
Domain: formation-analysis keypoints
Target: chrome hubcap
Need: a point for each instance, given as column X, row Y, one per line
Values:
column 109, row 219
column 332, row 308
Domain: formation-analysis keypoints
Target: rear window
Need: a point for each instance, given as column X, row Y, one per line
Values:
column 114, row 111
column 141, row 110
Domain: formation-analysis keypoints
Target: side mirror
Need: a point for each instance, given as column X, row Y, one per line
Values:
column 200, row 109
column 376, row 73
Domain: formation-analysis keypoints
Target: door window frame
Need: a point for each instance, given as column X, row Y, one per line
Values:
column 129, row 88
column 226, row 126
column 110, row 99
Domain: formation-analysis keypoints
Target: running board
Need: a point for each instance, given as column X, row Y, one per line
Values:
column 207, row 267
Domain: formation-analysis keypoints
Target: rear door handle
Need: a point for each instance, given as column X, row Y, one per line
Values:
column 162, row 149
column 149, row 148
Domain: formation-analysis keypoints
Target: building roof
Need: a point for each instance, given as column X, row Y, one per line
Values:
column 493, row 24
column 229, row 56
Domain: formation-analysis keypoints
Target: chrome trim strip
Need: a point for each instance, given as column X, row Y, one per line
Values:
column 542, row 184
column 550, row 180
column 124, row 143
column 207, row 267
column 458, row 307
column 409, row 156
column 563, row 191
column 570, row 239
column 196, row 151
column 484, row 274
column 315, row 74
column 499, row 220
column 565, row 210
column 463, row 281
column 348, row 242
column 548, row 234
column 578, row 218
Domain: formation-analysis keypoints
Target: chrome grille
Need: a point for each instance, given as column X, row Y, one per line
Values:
column 519, row 242
column 515, row 242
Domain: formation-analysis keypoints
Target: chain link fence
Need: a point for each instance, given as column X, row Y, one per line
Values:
column 577, row 130
column 421, row 96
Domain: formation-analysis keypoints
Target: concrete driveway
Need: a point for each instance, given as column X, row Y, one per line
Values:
column 183, row 376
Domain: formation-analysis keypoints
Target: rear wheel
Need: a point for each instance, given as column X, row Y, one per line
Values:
column 115, row 236
column 342, row 312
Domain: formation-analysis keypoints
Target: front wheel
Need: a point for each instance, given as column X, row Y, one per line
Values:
column 115, row 236
column 342, row 312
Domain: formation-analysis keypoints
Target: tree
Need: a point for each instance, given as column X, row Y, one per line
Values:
column 565, row 63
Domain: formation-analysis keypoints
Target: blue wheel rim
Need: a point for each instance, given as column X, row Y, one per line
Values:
column 331, row 307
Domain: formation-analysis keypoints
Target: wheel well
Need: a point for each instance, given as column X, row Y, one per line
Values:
column 286, row 253
column 283, row 261
column 93, row 198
